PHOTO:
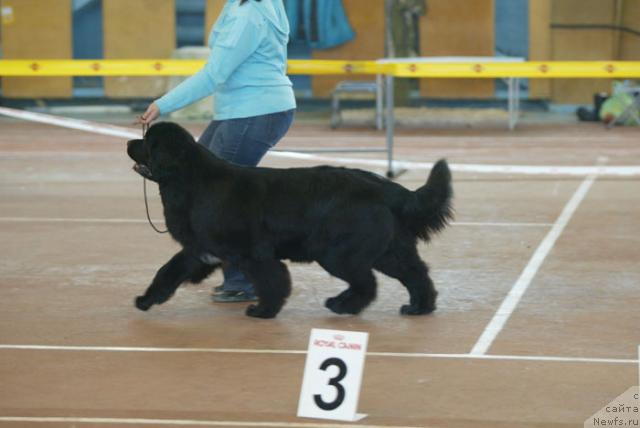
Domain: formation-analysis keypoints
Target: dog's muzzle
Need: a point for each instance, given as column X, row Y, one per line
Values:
column 143, row 170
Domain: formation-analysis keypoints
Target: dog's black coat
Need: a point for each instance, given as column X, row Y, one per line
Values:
column 349, row 221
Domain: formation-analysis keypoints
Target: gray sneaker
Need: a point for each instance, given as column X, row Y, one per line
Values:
column 235, row 296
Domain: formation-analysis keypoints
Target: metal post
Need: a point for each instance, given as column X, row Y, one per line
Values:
column 379, row 102
column 390, row 51
column 390, row 124
column 517, row 106
column 511, row 103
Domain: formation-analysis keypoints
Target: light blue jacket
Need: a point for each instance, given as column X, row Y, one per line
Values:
column 246, row 70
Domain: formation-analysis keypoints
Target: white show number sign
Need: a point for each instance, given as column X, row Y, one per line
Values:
column 333, row 375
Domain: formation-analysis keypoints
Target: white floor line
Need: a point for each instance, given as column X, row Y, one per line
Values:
column 538, row 358
column 520, row 287
column 78, row 124
column 129, row 133
column 186, row 422
column 574, row 171
column 499, row 224
column 73, row 220
column 364, row 134
column 130, row 220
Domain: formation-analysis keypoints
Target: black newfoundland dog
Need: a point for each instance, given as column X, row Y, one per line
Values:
column 349, row 221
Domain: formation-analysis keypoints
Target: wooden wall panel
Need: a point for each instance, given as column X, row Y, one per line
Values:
column 630, row 43
column 367, row 20
column 138, row 29
column 2, row 21
column 581, row 44
column 539, row 44
column 580, row 91
column 37, row 29
column 583, row 11
column 458, row 28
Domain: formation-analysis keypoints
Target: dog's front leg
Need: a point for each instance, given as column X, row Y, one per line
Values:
column 182, row 267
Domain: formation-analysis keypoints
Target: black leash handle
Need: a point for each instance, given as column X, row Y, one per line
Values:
column 145, row 128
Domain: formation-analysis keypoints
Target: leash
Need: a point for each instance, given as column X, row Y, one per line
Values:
column 145, row 128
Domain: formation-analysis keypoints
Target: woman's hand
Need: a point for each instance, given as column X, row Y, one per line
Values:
column 152, row 113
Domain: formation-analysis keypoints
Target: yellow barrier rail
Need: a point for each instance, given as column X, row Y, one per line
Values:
column 531, row 70
column 51, row 68
column 164, row 67
column 298, row 66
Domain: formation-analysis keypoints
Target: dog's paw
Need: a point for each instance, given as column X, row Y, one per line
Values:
column 333, row 304
column 143, row 303
column 341, row 306
column 416, row 310
column 257, row 311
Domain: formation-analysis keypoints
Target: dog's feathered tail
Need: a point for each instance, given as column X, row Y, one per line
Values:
column 429, row 209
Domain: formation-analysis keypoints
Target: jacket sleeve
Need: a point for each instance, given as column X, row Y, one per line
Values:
column 233, row 43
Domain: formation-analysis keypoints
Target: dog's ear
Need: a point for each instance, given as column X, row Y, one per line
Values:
column 167, row 154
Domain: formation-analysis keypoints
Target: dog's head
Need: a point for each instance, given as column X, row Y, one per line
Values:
column 162, row 152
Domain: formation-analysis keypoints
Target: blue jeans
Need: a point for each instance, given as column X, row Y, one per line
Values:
column 244, row 142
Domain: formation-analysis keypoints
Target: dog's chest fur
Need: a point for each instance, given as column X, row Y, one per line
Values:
column 177, row 206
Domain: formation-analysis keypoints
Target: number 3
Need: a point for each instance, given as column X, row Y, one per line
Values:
column 335, row 382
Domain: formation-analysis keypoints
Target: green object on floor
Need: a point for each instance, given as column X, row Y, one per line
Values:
column 616, row 104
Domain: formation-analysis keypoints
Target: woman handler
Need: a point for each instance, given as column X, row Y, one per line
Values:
column 254, row 100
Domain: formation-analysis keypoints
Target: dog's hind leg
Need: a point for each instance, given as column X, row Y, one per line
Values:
column 182, row 267
column 404, row 264
column 361, row 292
column 353, row 247
column 272, row 283
column 362, row 284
